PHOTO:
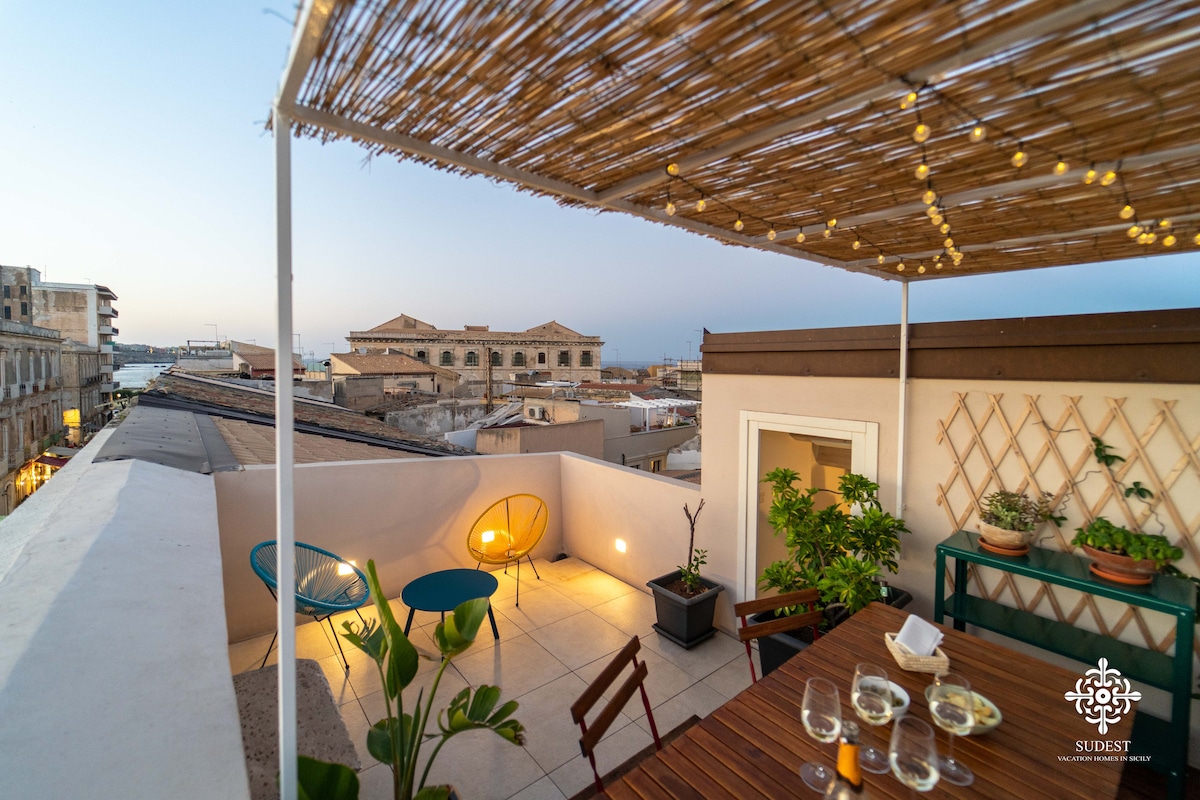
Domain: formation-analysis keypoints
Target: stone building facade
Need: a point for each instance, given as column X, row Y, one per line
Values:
column 30, row 407
column 554, row 351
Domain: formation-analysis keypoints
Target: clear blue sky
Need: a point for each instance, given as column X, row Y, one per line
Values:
column 133, row 154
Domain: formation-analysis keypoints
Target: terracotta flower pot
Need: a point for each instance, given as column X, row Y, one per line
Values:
column 1002, row 537
column 1121, row 564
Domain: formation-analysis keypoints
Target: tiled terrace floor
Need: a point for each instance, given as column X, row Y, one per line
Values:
column 569, row 624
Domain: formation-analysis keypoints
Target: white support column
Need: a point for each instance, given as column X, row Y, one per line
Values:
column 284, row 458
column 902, row 433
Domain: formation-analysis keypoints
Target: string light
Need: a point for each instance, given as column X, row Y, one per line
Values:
column 673, row 170
column 945, row 228
column 800, row 237
column 1108, row 178
column 1019, row 158
column 739, row 225
column 921, row 269
column 832, row 222
column 921, row 133
column 931, row 212
column 977, row 134
column 922, row 171
column 937, row 219
column 857, row 244
column 771, row 235
column 937, row 264
column 1169, row 240
column 900, row 267
column 827, row 232
column 929, row 197
column 908, row 100
column 701, row 204
column 1089, row 176
column 879, row 257
column 1126, row 212
column 1061, row 167
column 948, row 244
column 670, row 209
column 1196, row 239
column 1166, row 223
column 1133, row 231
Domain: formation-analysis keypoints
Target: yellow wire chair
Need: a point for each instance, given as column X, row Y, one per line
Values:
column 507, row 531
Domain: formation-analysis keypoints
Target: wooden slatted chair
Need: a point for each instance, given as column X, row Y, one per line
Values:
column 600, row 725
column 805, row 597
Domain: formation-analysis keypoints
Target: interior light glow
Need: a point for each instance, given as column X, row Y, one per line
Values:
column 620, row 544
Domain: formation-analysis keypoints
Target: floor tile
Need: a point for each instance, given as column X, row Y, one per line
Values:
column 543, row 789
column 517, row 666
column 539, row 607
column 576, row 774
column 479, row 764
column 375, row 783
column 632, row 613
column 557, row 571
column 551, row 737
column 579, row 639
column 702, row 660
column 698, row 699
column 733, row 678
column 592, row 588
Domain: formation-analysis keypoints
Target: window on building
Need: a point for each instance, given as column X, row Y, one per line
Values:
column 7, row 292
column 24, row 308
column 8, row 312
column 564, row 358
column 447, row 358
column 497, row 359
column 518, row 359
column 422, row 356
column 585, row 358
column 24, row 291
column 472, row 359
column 656, row 465
column 541, row 359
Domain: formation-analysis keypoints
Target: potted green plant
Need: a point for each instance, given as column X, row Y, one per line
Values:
column 1122, row 555
column 396, row 739
column 1009, row 519
column 684, row 602
column 842, row 550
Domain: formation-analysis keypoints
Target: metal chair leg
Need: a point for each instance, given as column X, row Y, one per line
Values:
column 518, row 581
column 270, row 647
column 338, row 641
column 535, row 572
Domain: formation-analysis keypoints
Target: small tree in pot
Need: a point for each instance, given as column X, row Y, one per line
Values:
column 684, row 602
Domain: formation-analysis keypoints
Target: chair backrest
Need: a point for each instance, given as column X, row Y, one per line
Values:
column 325, row 583
column 805, row 597
column 508, row 529
column 636, row 681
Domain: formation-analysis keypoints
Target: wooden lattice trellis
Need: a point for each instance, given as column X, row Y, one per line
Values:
column 1035, row 444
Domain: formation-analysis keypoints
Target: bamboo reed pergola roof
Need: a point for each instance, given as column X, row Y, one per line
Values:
column 787, row 115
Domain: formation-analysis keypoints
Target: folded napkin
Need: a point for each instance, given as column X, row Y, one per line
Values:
column 918, row 636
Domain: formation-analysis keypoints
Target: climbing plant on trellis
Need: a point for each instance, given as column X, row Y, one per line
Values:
column 1030, row 443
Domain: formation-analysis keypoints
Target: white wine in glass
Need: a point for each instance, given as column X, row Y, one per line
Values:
column 821, row 714
column 871, row 697
column 952, row 707
column 913, row 754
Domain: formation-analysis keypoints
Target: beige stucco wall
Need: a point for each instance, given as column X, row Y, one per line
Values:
column 411, row 517
column 585, row 437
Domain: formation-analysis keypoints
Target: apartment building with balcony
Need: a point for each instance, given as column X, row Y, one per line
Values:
column 81, row 312
column 30, row 407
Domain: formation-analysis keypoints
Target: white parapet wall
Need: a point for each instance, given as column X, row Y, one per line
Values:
column 114, row 675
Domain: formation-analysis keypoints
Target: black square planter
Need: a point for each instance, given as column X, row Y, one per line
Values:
column 685, row 621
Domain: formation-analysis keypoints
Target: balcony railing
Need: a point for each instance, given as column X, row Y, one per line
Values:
column 106, row 369
column 107, row 311
column 109, row 388
column 106, row 349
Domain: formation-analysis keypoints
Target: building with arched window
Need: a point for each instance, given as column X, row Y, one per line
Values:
column 554, row 350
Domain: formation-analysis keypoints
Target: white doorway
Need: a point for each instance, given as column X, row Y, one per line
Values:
column 819, row 449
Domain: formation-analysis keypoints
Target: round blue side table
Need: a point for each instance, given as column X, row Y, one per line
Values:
column 444, row 590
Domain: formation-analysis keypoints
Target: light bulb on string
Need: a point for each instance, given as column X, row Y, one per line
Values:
column 673, row 170
column 670, row 209
column 1019, row 158
column 739, row 225
column 1061, row 167
column 937, row 264
column 908, row 100
column 1151, row 237
column 1126, row 212
column 937, row 219
column 948, row 244
column 921, row 133
column 827, row 232
column 921, row 269
column 879, row 257
column 832, row 223
column 1089, row 177
column 701, row 204
column 1169, row 240
column 900, row 267
column 932, row 212
column 1133, row 231
column 1108, row 179
column 771, row 235
column 929, row 197
column 857, row 244
column 945, row 228
column 1165, row 223
column 1196, row 239
column 1142, row 238
column 978, row 133
column 800, row 237
column 922, row 171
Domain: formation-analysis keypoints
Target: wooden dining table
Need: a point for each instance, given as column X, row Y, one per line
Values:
column 754, row 745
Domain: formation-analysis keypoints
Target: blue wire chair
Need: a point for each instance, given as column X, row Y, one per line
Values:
column 326, row 584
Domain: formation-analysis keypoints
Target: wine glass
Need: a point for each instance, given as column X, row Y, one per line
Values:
column 952, row 707
column 913, row 754
column 821, row 714
column 871, row 698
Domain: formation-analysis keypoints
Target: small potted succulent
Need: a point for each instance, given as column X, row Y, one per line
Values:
column 1122, row 555
column 1009, row 519
column 684, row 602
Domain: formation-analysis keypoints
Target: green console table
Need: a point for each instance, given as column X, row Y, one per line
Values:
column 1165, row 742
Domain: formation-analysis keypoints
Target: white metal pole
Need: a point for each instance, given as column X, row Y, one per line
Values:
column 284, row 476
column 902, row 433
